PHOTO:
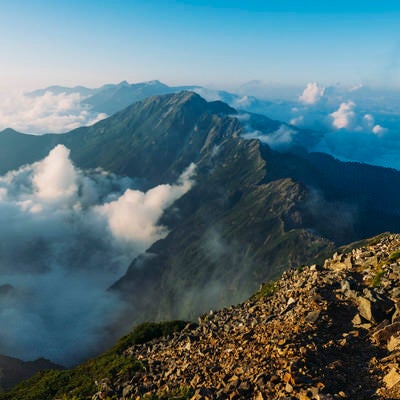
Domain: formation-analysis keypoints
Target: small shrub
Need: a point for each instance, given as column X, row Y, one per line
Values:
column 394, row 256
column 266, row 290
column 180, row 393
column 376, row 280
column 148, row 331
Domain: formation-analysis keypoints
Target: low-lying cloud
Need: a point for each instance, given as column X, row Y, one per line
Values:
column 280, row 139
column 312, row 93
column 49, row 113
column 66, row 236
column 344, row 116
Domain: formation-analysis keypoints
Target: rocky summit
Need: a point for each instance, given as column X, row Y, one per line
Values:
column 319, row 332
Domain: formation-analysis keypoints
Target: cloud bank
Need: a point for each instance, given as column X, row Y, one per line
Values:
column 66, row 236
column 351, row 123
column 50, row 113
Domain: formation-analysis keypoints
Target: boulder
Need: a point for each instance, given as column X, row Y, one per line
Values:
column 392, row 378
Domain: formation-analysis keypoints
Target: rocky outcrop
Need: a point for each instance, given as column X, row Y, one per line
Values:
column 320, row 332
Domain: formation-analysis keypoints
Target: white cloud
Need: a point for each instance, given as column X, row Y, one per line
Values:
column 379, row 130
column 355, row 88
column 344, row 116
column 312, row 93
column 208, row 94
column 279, row 139
column 55, row 177
column 66, row 236
column 133, row 217
column 50, row 113
column 242, row 117
column 369, row 120
column 347, row 118
column 298, row 121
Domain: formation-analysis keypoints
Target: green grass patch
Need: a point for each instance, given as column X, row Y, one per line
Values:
column 377, row 279
column 363, row 243
column 75, row 384
column 79, row 383
column 266, row 290
column 148, row 331
column 181, row 393
column 394, row 256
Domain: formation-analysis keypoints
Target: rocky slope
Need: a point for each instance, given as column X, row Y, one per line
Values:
column 324, row 332
column 319, row 332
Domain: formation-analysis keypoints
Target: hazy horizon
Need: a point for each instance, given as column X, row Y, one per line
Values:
column 210, row 43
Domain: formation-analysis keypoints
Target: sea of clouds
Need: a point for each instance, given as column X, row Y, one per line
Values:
column 48, row 113
column 351, row 123
column 356, row 124
column 66, row 236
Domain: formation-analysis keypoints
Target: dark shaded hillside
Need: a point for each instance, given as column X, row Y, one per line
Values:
column 365, row 196
column 13, row 371
column 17, row 149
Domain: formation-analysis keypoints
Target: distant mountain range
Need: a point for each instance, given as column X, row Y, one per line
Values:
column 253, row 212
column 111, row 98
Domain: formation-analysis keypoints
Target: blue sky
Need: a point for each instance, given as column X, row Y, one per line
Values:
column 222, row 43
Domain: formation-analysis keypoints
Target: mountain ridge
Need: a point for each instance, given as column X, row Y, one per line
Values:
column 111, row 98
column 252, row 212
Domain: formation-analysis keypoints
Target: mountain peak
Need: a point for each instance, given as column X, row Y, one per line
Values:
column 123, row 83
column 8, row 131
column 192, row 98
column 186, row 95
column 154, row 82
column 173, row 102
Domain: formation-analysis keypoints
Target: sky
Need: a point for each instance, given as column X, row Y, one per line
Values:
column 220, row 43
